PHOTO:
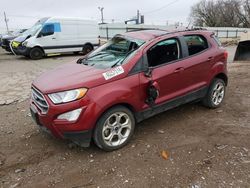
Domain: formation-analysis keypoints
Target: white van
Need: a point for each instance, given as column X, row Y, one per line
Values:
column 57, row 35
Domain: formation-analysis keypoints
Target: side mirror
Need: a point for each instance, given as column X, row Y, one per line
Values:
column 39, row 35
column 79, row 61
column 148, row 72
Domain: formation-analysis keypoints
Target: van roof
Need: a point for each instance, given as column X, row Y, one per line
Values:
column 69, row 18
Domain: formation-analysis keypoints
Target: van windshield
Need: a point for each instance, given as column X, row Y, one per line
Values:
column 113, row 53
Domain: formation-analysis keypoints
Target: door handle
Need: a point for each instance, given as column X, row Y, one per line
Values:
column 210, row 58
column 53, row 38
column 180, row 69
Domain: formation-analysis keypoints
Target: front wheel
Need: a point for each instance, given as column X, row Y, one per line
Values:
column 36, row 53
column 87, row 48
column 114, row 129
column 215, row 94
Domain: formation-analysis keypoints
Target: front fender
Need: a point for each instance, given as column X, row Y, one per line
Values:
column 123, row 91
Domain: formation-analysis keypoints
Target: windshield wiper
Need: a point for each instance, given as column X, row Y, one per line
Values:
column 125, row 56
column 98, row 54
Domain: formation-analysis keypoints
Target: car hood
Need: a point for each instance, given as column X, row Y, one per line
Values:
column 22, row 38
column 8, row 37
column 70, row 76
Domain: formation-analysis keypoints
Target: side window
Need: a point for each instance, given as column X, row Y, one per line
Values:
column 163, row 52
column 196, row 43
column 216, row 40
column 48, row 29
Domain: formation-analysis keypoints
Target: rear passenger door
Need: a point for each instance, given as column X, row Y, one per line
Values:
column 198, row 62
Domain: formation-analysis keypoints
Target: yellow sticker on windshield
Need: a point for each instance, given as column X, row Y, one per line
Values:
column 112, row 73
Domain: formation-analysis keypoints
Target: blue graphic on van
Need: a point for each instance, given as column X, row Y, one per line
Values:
column 57, row 27
column 53, row 27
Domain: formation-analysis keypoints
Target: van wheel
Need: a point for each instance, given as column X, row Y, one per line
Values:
column 36, row 53
column 114, row 129
column 87, row 48
column 215, row 94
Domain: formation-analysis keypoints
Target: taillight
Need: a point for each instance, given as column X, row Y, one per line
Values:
column 226, row 55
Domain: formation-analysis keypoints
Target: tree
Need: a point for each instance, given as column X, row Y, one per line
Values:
column 221, row 13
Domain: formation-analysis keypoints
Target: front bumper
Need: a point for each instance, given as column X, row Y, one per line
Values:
column 21, row 50
column 7, row 48
column 79, row 132
column 81, row 138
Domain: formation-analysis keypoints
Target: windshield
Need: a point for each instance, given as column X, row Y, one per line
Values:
column 113, row 53
column 33, row 30
column 17, row 32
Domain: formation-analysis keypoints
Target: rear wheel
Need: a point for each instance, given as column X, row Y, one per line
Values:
column 36, row 53
column 215, row 94
column 114, row 129
column 87, row 48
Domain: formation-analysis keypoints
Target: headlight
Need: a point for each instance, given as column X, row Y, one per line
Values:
column 67, row 96
column 25, row 43
column 70, row 116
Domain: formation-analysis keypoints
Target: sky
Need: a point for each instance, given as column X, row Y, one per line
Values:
column 24, row 13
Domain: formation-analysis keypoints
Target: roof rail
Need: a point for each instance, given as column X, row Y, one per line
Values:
column 142, row 29
column 195, row 29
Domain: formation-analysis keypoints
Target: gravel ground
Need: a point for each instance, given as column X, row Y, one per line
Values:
column 202, row 147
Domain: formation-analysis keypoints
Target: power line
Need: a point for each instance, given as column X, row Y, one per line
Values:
column 170, row 3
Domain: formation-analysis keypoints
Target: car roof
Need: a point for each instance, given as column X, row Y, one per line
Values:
column 147, row 35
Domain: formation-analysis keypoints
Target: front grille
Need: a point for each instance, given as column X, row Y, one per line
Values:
column 4, row 42
column 39, row 100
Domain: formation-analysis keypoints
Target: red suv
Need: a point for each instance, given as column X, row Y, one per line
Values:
column 131, row 78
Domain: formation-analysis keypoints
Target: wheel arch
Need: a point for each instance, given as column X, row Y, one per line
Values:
column 89, row 43
column 39, row 48
column 222, row 76
column 124, row 104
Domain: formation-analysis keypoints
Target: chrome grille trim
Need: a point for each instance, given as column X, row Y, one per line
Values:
column 39, row 100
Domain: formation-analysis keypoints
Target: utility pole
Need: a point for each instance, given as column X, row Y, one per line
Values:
column 138, row 17
column 101, row 9
column 6, row 22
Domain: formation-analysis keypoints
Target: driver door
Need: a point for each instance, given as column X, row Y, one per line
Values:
column 47, row 38
column 167, row 73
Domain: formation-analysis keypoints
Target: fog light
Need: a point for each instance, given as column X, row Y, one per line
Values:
column 70, row 116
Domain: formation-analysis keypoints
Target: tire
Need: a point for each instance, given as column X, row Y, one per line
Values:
column 215, row 94
column 110, row 135
column 87, row 48
column 36, row 53
column 76, row 53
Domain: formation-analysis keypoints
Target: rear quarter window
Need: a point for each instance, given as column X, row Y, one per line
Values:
column 216, row 39
column 196, row 43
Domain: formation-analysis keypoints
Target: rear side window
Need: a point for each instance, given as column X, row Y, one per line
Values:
column 196, row 43
column 163, row 52
column 216, row 40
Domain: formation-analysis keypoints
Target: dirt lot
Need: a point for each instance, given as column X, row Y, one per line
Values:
column 206, row 148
